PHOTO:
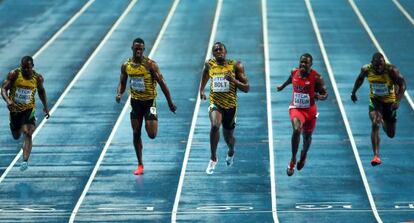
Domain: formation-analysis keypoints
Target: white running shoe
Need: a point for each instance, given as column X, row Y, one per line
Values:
column 23, row 166
column 229, row 160
column 211, row 166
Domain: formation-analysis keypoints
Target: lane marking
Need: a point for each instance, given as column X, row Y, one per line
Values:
column 402, row 9
column 124, row 109
column 376, row 43
column 194, row 119
column 269, row 111
column 50, row 41
column 342, row 109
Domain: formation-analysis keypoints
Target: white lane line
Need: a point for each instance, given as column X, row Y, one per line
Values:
column 402, row 9
column 194, row 119
column 124, row 109
column 50, row 41
column 376, row 43
column 64, row 27
column 269, row 111
column 342, row 109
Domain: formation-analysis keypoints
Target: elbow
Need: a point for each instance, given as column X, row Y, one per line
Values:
column 247, row 89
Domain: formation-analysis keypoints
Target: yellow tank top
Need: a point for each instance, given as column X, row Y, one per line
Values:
column 222, row 92
column 142, row 86
column 381, row 86
column 23, row 91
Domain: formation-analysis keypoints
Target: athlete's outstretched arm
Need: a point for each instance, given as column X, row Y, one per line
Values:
column 204, row 80
column 320, row 88
column 122, row 84
column 358, row 83
column 287, row 82
column 155, row 71
column 7, row 84
column 42, row 95
column 240, row 78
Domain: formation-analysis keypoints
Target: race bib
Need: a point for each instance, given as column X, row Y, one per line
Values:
column 380, row 89
column 220, row 84
column 23, row 96
column 301, row 100
column 137, row 84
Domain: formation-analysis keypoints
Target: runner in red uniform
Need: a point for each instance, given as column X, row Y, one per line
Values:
column 308, row 85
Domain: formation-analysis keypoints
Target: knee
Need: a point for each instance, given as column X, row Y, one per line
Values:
column 215, row 127
column 28, row 133
column 137, row 134
column 16, row 135
column 297, row 129
column 152, row 135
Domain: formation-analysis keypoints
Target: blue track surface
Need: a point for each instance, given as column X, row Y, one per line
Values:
column 330, row 188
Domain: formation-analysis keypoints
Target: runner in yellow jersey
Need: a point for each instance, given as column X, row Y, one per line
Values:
column 144, row 75
column 226, row 76
column 387, row 87
column 18, row 91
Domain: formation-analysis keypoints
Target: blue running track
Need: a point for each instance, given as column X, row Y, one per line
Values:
column 82, row 163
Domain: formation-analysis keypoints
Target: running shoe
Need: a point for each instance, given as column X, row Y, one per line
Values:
column 23, row 166
column 139, row 170
column 211, row 166
column 302, row 160
column 291, row 168
column 229, row 160
column 376, row 161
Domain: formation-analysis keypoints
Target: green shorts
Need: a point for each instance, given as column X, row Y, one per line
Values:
column 18, row 119
column 388, row 114
column 228, row 116
column 147, row 109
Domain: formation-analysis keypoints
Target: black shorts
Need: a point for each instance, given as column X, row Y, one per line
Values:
column 228, row 116
column 18, row 119
column 388, row 114
column 147, row 109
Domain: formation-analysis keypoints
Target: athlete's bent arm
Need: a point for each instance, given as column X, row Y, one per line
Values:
column 320, row 88
column 155, row 71
column 42, row 96
column 122, row 84
column 400, row 82
column 287, row 82
column 358, row 83
column 240, row 78
column 204, row 80
column 7, row 84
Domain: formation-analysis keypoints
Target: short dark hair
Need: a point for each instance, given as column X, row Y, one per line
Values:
column 138, row 40
column 377, row 56
column 308, row 55
column 26, row 59
column 220, row 43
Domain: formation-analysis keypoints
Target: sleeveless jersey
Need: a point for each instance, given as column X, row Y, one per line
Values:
column 142, row 86
column 381, row 87
column 303, row 89
column 222, row 92
column 23, row 91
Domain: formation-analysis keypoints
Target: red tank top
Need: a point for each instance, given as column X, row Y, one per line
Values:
column 303, row 89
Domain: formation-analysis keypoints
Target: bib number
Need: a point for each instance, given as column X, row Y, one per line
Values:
column 220, row 84
column 380, row 89
column 137, row 84
column 23, row 96
column 301, row 100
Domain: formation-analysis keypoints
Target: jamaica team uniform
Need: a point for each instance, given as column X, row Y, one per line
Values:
column 223, row 94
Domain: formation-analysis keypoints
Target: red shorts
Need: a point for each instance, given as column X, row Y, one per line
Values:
column 306, row 115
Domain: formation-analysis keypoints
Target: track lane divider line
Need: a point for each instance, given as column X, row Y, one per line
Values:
column 269, row 111
column 343, row 112
column 195, row 115
column 124, row 109
column 47, row 44
column 376, row 43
